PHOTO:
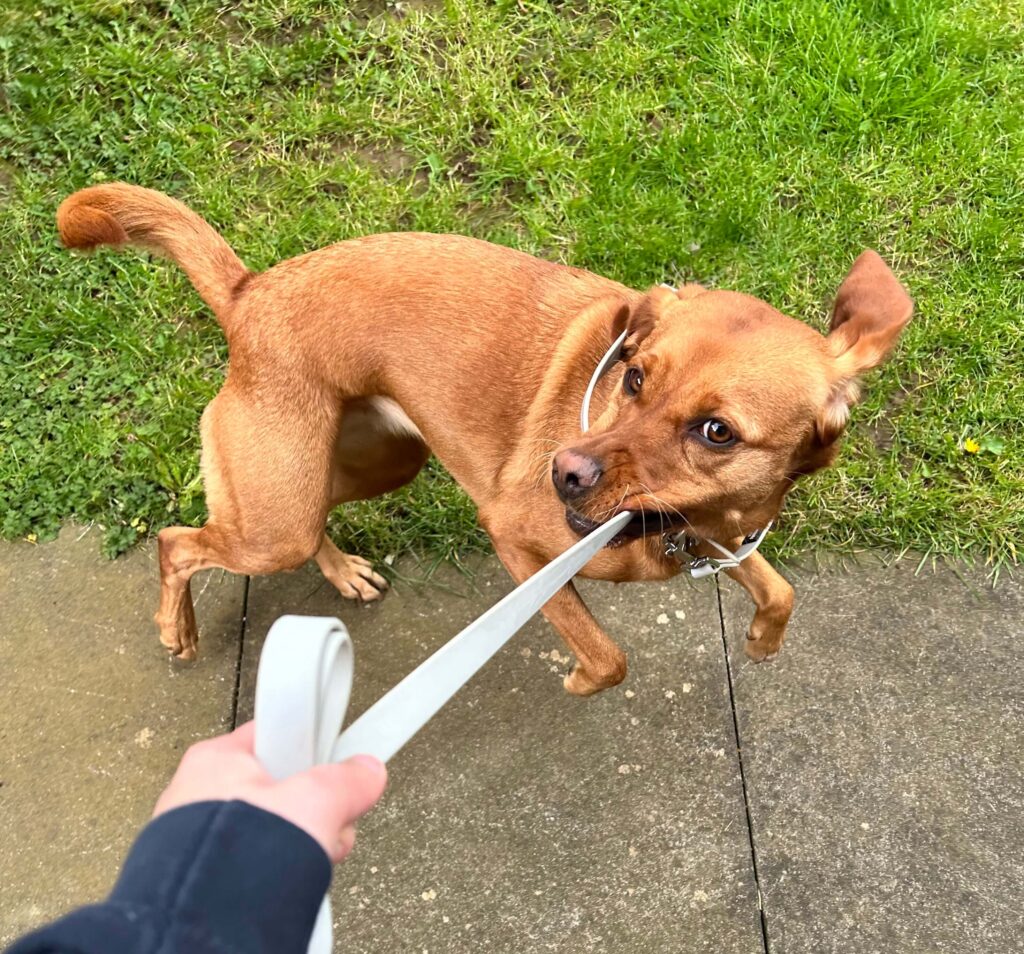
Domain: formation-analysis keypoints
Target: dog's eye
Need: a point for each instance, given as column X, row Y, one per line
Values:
column 633, row 381
column 717, row 432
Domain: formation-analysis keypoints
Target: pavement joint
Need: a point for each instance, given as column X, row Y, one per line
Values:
column 241, row 651
column 766, row 944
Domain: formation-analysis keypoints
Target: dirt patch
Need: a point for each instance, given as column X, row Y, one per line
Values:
column 463, row 168
column 361, row 12
column 234, row 30
column 365, row 10
column 483, row 132
column 883, row 431
column 333, row 188
column 654, row 121
column 392, row 160
column 8, row 181
column 483, row 219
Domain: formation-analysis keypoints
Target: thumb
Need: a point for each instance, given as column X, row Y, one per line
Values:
column 355, row 784
column 326, row 799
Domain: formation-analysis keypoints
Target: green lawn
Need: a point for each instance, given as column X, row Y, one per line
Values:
column 754, row 145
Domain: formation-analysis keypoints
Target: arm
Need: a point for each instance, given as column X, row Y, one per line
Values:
column 204, row 879
column 233, row 860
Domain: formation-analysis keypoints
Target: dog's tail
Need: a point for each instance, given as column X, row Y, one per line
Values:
column 121, row 214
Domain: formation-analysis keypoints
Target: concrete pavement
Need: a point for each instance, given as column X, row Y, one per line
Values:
column 871, row 798
column 93, row 719
column 884, row 757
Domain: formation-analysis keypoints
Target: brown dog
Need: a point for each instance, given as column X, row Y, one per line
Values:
column 351, row 364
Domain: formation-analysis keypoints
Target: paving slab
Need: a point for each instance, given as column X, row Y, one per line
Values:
column 523, row 819
column 883, row 760
column 95, row 714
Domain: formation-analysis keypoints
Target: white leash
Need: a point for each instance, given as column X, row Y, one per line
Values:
column 675, row 543
column 305, row 676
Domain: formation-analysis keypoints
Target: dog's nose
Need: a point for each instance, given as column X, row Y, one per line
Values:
column 574, row 474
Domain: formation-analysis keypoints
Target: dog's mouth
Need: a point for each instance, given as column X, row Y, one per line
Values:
column 644, row 523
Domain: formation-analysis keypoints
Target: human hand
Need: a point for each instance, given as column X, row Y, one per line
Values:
column 324, row 801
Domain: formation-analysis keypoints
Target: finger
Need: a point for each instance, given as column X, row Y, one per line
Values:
column 244, row 737
column 346, row 842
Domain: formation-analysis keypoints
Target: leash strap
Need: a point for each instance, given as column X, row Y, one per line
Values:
column 305, row 677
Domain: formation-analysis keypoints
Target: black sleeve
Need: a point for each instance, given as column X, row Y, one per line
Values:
column 208, row 878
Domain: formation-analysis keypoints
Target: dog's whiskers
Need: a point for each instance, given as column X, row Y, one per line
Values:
column 664, row 505
column 608, row 511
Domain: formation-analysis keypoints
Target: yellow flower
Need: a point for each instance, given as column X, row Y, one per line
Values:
column 971, row 446
column 32, row 538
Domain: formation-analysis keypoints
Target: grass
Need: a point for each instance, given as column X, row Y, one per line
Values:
column 752, row 144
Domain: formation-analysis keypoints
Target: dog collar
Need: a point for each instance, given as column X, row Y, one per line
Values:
column 611, row 356
column 676, row 544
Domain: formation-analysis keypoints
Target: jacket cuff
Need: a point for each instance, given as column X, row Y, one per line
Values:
column 231, row 871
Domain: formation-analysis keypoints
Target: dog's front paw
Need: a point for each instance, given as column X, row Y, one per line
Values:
column 182, row 641
column 578, row 683
column 186, row 653
column 761, row 650
column 582, row 682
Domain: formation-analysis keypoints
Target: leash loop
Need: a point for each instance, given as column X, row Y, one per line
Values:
column 302, row 690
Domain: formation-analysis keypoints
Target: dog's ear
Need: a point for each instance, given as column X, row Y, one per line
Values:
column 689, row 290
column 640, row 319
column 814, row 454
column 871, row 310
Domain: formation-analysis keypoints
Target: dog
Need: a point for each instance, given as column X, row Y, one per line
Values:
column 350, row 365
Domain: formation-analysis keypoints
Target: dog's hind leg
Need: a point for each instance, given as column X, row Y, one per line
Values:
column 267, row 473
column 183, row 552
column 352, row 576
column 378, row 450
